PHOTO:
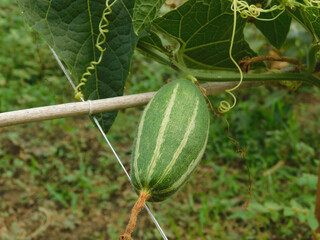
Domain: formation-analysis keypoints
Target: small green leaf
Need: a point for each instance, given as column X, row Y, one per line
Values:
column 308, row 17
column 307, row 179
column 312, row 57
column 312, row 221
column 295, row 204
column 57, row 196
column 144, row 13
column 288, row 212
column 302, row 217
column 272, row 206
column 154, row 41
column 275, row 216
column 244, row 215
column 151, row 46
column 258, row 207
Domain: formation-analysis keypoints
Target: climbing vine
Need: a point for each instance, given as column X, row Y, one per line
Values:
column 203, row 40
column 101, row 39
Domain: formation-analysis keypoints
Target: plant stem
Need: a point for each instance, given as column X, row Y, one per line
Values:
column 207, row 76
column 154, row 54
column 138, row 206
column 254, row 77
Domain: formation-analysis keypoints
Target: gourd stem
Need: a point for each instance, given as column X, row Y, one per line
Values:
column 228, row 77
column 138, row 206
column 303, row 77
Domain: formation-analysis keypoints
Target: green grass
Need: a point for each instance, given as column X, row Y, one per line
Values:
column 61, row 171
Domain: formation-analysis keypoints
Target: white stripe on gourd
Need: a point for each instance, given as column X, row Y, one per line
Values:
column 190, row 127
column 136, row 155
column 162, row 129
column 170, row 140
column 191, row 168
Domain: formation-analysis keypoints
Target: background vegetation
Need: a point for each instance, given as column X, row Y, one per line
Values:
column 59, row 180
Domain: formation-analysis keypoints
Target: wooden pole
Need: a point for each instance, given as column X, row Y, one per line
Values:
column 102, row 105
column 73, row 109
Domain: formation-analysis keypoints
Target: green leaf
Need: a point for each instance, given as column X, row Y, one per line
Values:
column 302, row 217
column 244, row 215
column 71, row 27
column 272, row 206
column 313, row 57
column 204, row 29
column 154, row 41
column 151, row 46
column 288, row 212
column 58, row 196
column 312, row 221
column 295, row 204
column 308, row 17
column 258, row 208
column 308, row 180
column 144, row 13
column 275, row 31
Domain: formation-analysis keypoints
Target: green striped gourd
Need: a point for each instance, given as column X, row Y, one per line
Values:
column 170, row 140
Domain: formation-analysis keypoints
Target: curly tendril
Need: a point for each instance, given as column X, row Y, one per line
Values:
column 225, row 106
column 312, row 3
column 101, row 39
column 247, row 10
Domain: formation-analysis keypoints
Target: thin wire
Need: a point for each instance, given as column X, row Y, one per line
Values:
column 112, row 149
column 63, row 69
column 108, row 142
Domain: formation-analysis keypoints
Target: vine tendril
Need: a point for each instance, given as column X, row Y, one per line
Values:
column 101, row 39
column 312, row 2
column 247, row 10
column 225, row 106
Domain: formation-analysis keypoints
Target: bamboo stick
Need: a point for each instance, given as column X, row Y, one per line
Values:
column 98, row 106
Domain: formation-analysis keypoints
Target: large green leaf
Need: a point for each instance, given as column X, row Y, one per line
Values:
column 71, row 27
column 307, row 16
column 144, row 12
column 203, row 29
column 275, row 31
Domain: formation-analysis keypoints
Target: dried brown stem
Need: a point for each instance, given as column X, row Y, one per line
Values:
column 247, row 63
column 43, row 227
column 138, row 206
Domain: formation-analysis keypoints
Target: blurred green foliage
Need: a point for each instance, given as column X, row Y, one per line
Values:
column 26, row 64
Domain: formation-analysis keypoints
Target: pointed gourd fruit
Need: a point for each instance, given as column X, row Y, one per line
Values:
column 170, row 140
